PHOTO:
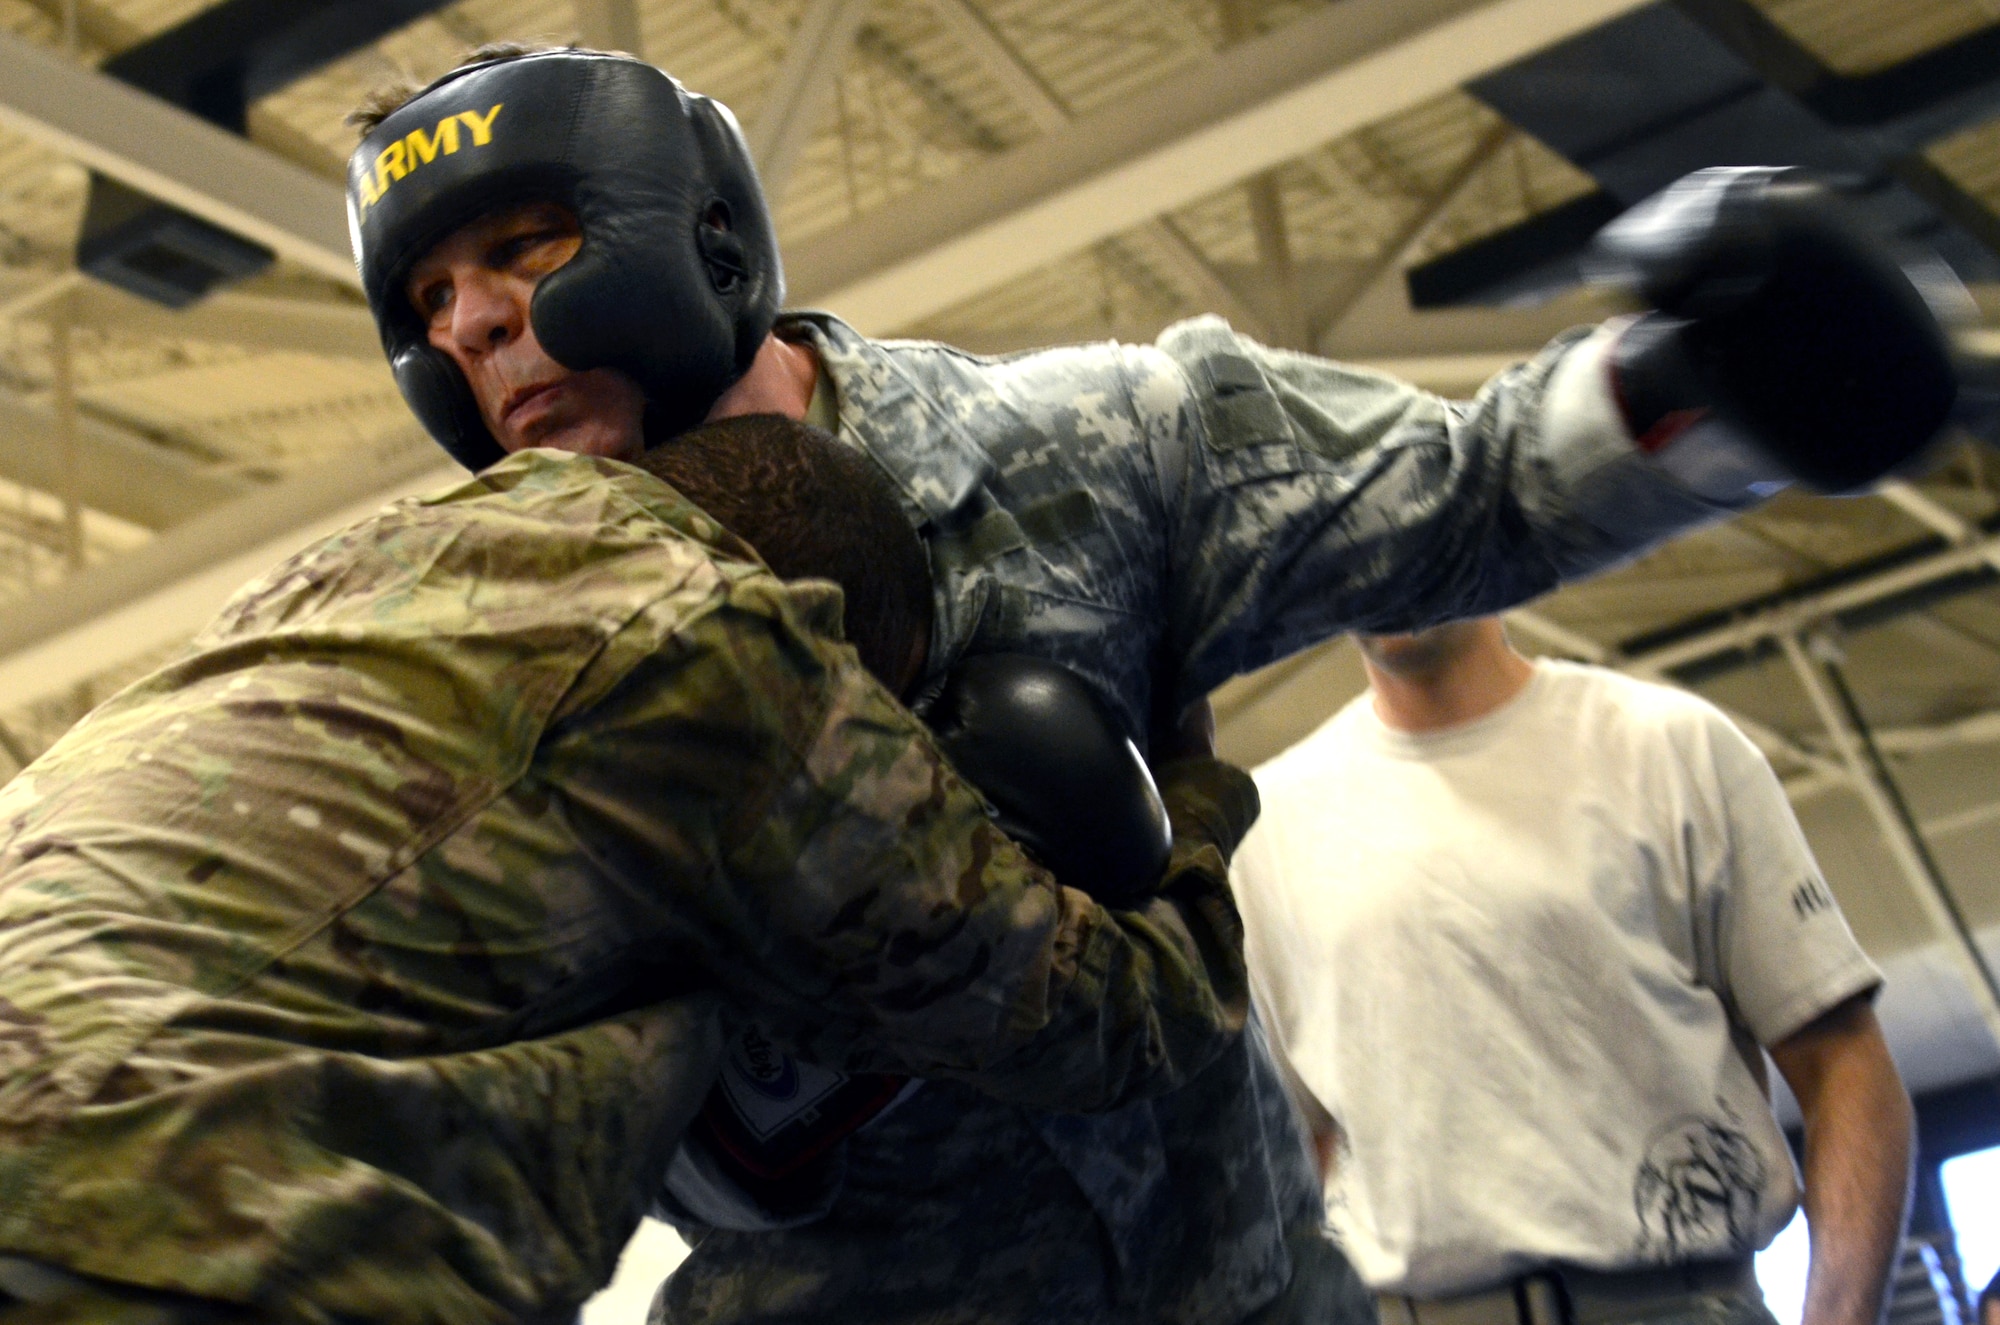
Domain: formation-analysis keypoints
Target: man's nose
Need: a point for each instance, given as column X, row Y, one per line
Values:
column 489, row 310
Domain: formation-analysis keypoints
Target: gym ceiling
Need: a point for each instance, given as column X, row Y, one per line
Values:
column 190, row 385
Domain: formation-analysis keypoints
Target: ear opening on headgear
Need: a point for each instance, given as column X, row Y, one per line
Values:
column 722, row 250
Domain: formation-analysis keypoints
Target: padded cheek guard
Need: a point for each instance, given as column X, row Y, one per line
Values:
column 677, row 281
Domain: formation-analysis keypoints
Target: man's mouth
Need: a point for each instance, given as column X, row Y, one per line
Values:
column 525, row 397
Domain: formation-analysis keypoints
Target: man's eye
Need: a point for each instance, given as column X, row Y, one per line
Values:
column 534, row 253
column 432, row 299
column 519, row 247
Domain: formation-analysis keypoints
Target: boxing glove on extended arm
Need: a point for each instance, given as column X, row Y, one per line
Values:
column 1787, row 342
column 1063, row 779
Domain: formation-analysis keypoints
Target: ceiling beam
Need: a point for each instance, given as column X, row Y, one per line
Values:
column 1933, row 514
column 803, row 88
column 1911, row 743
column 1401, row 247
column 1190, row 270
column 13, row 747
column 25, row 293
column 117, row 472
column 97, row 25
column 1884, row 802
column 1784, row 619
column 1202, row 129
column 609, row 25
column 1973, row 729
column 1264, row 194
column 225, row 317
column 166, row 590
column 975, row 34
column 286, row 140
column 176, row 157
column 1185, row 265
column 1961, row 821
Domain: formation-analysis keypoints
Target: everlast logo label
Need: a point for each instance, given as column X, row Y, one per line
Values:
column 418, row 148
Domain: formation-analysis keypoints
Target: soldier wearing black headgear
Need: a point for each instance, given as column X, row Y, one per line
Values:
column 1160, row 518
column 677, row 280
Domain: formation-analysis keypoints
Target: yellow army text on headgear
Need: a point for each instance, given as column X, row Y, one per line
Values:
column 418, row 148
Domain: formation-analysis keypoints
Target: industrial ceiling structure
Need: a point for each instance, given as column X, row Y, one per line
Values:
column 190, row 386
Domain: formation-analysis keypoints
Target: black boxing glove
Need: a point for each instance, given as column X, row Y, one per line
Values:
column 1062, row 777
column 1789, row 344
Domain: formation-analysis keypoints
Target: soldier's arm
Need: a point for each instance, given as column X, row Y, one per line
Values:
column 828, row 870
column 1307, row 497
column 1785, row 343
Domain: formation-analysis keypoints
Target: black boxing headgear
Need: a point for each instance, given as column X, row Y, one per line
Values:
column 678, row 279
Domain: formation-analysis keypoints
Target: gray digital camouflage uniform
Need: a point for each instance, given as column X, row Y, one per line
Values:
column 1160, row 517
column 364, row 963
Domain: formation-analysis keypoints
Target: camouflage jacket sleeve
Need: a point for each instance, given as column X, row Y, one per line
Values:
column 858, row 897
column 1309, row 497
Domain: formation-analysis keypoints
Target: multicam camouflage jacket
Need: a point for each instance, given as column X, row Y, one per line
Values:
column 1160, row 518
column 365, row 962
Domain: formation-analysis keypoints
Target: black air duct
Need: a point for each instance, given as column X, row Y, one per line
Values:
column 1673, row 87
column 215, row 65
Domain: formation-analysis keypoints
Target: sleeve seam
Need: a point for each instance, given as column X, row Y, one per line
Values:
column 1836, row 987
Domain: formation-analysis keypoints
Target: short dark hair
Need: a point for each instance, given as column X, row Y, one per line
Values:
column 813, row 508
column 392, row 96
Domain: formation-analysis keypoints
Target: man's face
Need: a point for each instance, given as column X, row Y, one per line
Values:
column 472, row 291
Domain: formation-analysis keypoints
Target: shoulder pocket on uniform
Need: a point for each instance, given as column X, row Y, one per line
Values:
column 1242, row 424
column 1240, row 408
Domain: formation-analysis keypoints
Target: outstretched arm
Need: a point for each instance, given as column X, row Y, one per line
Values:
column 1309, row 498
column 1857, row 1160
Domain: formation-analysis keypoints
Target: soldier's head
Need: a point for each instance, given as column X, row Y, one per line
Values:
column 561, row 247
column 814, row 508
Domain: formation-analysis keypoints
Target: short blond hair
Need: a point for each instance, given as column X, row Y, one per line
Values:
column 391, row 97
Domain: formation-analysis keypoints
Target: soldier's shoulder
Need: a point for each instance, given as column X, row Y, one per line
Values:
column 1196, row 338
column 541, row 542
column 853, row 355
column 1078, row 360
column 593, row 493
